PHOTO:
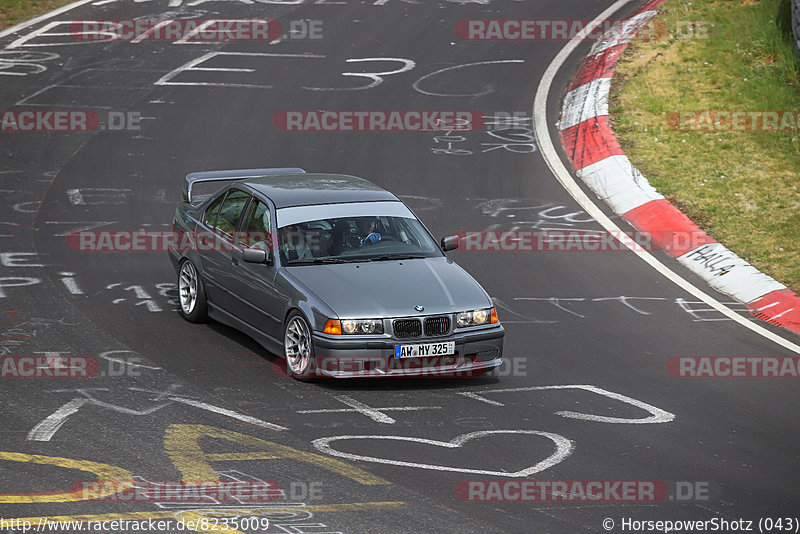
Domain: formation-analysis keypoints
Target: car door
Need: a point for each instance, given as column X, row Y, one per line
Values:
column 221, row 221
column 259, row 302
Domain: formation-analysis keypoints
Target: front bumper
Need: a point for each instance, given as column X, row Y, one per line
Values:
column 477, row 352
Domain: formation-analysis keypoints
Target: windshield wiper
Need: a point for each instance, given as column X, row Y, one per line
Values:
column 320, row 261
column 390, row 257
column 385, row 257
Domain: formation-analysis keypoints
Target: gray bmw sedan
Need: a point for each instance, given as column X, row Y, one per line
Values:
column 334, row 273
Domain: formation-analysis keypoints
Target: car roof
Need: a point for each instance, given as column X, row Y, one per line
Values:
column 288, row 190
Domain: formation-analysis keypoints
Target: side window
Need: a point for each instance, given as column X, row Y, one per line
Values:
column 230, row 212
column 255, row 232
column 211, row 212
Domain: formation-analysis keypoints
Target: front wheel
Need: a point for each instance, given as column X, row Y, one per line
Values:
column 298, row 348
column 191, row 294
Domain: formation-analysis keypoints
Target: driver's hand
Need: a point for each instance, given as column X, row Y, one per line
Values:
column 371, row 239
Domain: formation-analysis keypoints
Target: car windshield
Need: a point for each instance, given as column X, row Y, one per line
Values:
column 351, row 239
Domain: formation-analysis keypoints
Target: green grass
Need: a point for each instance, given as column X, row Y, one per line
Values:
column 15, row 11
column 741, row 187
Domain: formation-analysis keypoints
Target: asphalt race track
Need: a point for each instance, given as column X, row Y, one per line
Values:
column 585, row 394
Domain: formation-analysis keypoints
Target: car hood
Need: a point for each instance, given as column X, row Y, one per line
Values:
column 393, row 288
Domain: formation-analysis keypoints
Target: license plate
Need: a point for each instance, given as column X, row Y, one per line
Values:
column 448, row 348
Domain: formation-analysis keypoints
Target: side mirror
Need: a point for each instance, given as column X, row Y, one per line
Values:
column 256, row 255
column 450, row 242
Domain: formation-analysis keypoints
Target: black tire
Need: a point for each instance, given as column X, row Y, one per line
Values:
column 298, row 347
column 191, row 294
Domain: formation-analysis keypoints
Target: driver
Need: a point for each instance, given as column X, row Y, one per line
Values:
column 367, row 233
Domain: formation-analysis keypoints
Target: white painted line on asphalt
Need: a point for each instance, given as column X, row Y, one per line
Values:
column 389, row 409
column 479, row 398
column 657, row 415
column 44, row 430
column 228, row 413
column 185, row 67
column 50, row 424
column 456, row 67
column 192, row 66
column 363, row 409
column 105, row 356
column 551, row 157
column 155, row 28
column 564, row 448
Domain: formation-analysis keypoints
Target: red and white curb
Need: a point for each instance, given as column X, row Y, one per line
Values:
column 599, row 161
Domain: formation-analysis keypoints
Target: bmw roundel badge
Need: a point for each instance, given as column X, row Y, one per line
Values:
column 419, row 308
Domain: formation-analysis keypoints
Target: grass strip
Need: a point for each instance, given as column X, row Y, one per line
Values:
column 742, row 187
column 15, row 11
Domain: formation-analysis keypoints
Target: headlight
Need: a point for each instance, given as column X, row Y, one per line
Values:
column 362, row 326
column 476, row 317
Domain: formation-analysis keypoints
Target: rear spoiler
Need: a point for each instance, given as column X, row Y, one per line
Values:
column 223, row 176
